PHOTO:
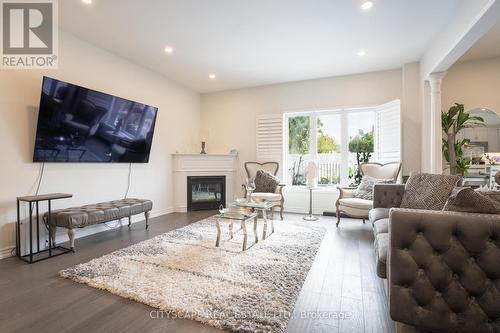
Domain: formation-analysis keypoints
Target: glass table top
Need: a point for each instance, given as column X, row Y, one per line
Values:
column 253, row 204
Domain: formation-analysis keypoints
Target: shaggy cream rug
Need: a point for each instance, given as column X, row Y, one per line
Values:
column 184, row 275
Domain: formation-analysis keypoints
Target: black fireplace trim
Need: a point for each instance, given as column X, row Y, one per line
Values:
column 207, row 205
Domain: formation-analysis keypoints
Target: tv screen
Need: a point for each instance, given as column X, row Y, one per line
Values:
column 77, row 124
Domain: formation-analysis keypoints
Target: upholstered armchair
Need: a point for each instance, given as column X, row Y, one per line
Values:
column 359, row 208
column 251, row 169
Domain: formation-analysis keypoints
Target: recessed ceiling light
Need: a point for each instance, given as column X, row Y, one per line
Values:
column 211, row 76
column 169, row 49
column 87, row 2
column 367, row 4
column 361, row 53
column 483, row 109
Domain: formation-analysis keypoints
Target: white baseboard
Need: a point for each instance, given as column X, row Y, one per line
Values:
column 6, row 252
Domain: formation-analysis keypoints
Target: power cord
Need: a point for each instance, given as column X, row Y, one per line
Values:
column 128, row 179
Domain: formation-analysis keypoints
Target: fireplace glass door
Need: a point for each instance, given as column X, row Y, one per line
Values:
column 206, row 192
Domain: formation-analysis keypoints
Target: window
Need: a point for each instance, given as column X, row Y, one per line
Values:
column 336, row 140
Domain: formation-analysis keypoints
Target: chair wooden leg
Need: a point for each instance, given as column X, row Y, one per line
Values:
column 146, row 215
column 71, row 235
column 129, row 221
column 53, row 230
column 337, row 212
column 363, row 221
column 281, row 212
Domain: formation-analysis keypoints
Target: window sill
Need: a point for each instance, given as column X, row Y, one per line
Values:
column 303, row 188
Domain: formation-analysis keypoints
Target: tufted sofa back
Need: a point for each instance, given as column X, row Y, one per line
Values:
column 444, row 270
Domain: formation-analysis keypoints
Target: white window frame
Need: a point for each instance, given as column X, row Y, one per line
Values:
column 313, row 139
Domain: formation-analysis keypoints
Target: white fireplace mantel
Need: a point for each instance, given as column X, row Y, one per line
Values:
column 184, row 165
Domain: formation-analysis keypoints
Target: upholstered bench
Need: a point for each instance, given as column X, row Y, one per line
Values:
column 80, row 217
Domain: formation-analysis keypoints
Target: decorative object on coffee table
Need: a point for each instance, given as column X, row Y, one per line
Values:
column 39, row 254
column 250, row 187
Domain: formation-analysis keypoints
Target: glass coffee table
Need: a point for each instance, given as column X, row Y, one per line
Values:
column 263, row 207
column 242, row 218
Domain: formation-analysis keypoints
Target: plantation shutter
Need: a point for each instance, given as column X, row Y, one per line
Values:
column 387, row 139
column 270, row 139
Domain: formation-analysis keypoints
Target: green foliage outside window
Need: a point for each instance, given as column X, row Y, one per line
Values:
column 298, row 135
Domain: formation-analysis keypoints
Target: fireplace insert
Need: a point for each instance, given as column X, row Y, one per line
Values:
column 206, row 192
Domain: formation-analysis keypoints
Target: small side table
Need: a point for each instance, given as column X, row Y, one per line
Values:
column 310, row 216
column 52, row 251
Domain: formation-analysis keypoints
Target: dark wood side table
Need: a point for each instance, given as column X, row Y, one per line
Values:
column 52, row 251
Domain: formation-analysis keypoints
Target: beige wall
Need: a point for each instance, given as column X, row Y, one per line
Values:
column 177, row 128
column 476, row 84
column 230, row 116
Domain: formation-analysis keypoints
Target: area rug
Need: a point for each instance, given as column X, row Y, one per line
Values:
column 182, row 274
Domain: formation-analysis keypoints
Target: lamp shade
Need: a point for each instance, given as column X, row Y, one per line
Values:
column 312, row 174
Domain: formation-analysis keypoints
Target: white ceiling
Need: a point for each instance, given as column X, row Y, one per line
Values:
column 257, row 42
column 487, row 47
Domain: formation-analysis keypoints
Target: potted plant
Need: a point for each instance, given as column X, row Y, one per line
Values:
column 452, row 122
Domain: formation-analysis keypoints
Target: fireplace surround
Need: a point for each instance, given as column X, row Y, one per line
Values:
column 204, row 165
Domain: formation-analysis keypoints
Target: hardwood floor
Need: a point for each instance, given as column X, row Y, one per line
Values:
column 341, row 293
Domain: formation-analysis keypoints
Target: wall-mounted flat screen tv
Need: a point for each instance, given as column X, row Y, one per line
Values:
column 77, row 124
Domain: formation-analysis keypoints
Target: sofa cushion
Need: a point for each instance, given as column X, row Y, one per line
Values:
column 381, row 247
column 266, row 196
column 365, row 188
column 265, row 182
column 378, row 213
column 428, row 191
column 356, row 203
column 465, row 199
column 381, row 226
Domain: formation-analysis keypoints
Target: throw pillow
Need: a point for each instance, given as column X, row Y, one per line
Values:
column 492, row 195
column 265, row 182
column 365, row 188
column 428, row 191
column 465, row 199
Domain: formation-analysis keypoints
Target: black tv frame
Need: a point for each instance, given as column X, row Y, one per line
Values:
column 34, row 160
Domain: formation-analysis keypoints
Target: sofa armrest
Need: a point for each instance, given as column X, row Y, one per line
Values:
column 387, row 195
column 444, row 270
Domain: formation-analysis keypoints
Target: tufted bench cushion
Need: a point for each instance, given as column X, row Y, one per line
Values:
column 79, row 217
column 444, row 270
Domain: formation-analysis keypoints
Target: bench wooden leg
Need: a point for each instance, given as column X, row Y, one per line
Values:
column 53, row 229
column 71, row 235
column 146, row 215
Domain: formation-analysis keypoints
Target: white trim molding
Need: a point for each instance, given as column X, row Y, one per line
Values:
column 185, row 165
column 435, row 131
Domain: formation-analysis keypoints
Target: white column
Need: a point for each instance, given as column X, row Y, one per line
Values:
column 435, row 80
